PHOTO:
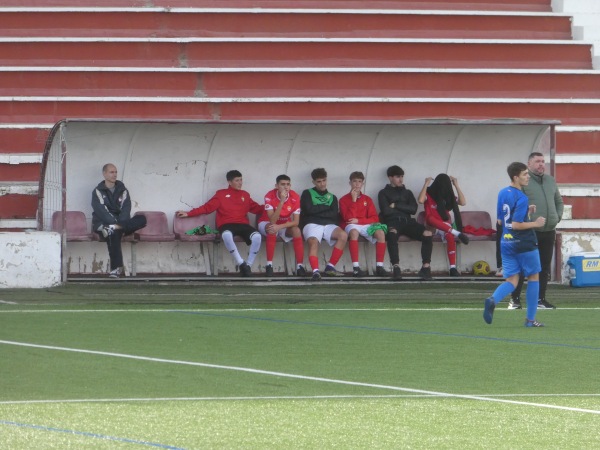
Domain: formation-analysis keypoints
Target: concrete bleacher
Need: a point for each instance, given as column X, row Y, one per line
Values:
column 284, row 22
column 282, row 60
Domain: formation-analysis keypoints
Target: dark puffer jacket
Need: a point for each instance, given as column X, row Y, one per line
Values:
column 110, row 207
column 405, row 204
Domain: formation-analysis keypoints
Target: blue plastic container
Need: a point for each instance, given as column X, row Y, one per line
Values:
column 584, row 269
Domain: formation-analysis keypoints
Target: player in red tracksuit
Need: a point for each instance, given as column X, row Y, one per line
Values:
column 232, row 206
column 441, row 211
column 359, row 218
column 281, row 217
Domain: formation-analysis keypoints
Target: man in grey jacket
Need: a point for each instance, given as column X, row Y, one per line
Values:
column 543, row 193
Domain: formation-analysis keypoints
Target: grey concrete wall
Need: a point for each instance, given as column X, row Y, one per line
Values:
column 30, row 259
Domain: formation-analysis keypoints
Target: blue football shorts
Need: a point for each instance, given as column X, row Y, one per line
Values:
column 527, row 263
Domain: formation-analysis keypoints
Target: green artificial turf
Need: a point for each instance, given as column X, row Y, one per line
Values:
column 259, row 365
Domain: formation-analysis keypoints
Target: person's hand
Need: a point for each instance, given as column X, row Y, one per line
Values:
column 540, row 221
column 181, row 214
column 354, row 193
column 454, row 180
column 532, row 209
column 353, row 220
column 428, row 181
column 271, row 228
column 283, row 194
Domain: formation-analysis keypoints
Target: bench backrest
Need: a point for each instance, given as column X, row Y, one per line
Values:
column 477, row 219
column 75, row 223
column 183, row 224
column 156, row 229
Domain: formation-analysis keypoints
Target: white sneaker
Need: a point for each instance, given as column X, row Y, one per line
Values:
column 514, row 304
column 115, row 273
column 108, row 230
column 499, row 272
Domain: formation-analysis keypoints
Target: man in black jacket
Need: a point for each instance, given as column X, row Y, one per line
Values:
column 319, row 219
column 397, row 205
column 112, row 216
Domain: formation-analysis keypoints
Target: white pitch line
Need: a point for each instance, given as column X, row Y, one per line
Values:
column 162, row 310
column 267, row 397
column 220, row 310
column 174, row 309
column 301, row 377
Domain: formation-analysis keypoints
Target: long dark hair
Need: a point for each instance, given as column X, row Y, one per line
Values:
column 442, row 192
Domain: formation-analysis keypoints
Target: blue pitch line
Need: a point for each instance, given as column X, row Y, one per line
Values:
column 392, row 330
column 93, row 435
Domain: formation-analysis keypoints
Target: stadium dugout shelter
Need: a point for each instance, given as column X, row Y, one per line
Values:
column 170, row 166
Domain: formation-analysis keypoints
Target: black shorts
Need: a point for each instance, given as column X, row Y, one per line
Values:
column 242, row 230
column 407, row 227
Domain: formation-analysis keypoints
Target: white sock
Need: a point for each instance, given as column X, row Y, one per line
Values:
column 227, row 237
column 254, row 247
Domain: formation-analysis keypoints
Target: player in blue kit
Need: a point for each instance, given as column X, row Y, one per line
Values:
column 518, row 245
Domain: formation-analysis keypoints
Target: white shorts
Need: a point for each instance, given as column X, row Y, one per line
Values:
column 319, row 232
column 280, row 234
column 362, row 230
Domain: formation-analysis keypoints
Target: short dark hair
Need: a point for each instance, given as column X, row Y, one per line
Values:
column 395, row 171
column 233, row 174
column 515, row 169
column 357, row 176
column 106, row 166
column 533, row 155
column 282, row 177
column 318, row 173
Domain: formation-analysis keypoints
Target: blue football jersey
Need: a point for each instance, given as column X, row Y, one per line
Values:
column 513, row 206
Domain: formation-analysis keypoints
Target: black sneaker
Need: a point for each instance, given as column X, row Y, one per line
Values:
column 358, row 272
column 381, row 272
column 463, row 238
column 316, row 276
column 425, row 273
column 397, row 273
column 515, row 303
column 269, row 270
column 300, row 271
column 330, row 271
column 245, row 269
column 454, row 272
column 543, row 304
column 533, row 323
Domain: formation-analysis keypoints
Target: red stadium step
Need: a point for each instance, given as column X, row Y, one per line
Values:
column 283, row 83
column 407, row 83
column 18, row 206
column 99, row 83
column 584, row 207
column 20, row 172
column 23, row 140
column 223, row 23
column 296, row 53
column 578, row 173
column 24, row 109
column 585, row 141
column 472, row 5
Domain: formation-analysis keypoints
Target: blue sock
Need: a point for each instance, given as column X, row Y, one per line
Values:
column 502, row 291
column 533, row 293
